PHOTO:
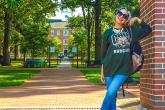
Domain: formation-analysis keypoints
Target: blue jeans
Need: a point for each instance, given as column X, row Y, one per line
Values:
column 113, row 84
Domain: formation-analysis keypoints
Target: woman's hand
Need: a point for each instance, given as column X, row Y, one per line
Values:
column 133, row 20
column 102, row 75
column 102, row 78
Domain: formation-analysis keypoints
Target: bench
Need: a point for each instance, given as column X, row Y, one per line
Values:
column 31, row 63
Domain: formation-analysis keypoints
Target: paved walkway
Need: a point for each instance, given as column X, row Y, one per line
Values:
column 62, row 86
column 58, row 87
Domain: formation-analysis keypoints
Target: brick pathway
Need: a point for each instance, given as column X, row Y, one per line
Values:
column 63, row 86
column 58, row 87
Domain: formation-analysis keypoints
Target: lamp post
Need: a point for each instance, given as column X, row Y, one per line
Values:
column 75, row 50
column 57, row 57
column 49, row 56
column 51, row 50
column 77, row 55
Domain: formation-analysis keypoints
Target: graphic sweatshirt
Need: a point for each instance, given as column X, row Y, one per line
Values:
column 116, row 57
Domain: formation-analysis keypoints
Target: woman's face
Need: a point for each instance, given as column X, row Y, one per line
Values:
column 122, row 17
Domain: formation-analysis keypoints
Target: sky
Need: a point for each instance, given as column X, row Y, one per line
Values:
column 66, row 13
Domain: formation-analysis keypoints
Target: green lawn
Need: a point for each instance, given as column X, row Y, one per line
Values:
column 19, row 64
column 53, row 64
column 74, row 64
column 15, row 77
column 94, row 76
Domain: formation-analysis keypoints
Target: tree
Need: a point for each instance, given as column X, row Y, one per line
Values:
column 7, row 6
column 15, row 42
column 79, row 41
column 70, row 43
column 1, row 30
column 97, row 31
column 79, row 38
column 110, row 8
column 99, row 13
column 88, row 22
column 56, row 43
column 21, row 14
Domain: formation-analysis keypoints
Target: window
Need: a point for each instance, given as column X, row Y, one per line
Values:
column 52, row 33
column 58, row 32
column 65, row 42
column 65, row 32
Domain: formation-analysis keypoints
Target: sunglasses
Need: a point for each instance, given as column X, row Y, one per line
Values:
column 125, row 16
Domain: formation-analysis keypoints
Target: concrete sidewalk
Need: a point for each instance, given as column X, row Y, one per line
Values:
column 56, row 88
column 132, row 99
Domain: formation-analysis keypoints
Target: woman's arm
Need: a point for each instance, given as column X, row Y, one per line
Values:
column 102, row 75
column 104, row 51
column 140, row 31
column 105, row 45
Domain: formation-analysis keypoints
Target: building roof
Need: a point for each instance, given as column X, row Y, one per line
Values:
column 59, row 25
column 54, row 20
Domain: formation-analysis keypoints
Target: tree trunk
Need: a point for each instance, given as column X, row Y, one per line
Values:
column 1, row 50
column 97, row 31
column 1, row 43
column 81, row 55
column 32, row 54
column 88, row 35
column 83, row 10
column 57, row 57
column 87, row 25
column 19, row 53
column 24, row 57
column 15, row 51
column 6, row 54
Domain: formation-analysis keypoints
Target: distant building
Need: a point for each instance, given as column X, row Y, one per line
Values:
column 54, row 20
column 62, row 14
column 59, row 29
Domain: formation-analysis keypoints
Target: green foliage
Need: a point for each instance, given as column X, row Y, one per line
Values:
column 70, row 43
column 108, row 12
column 56, row 43
column 108, row 19
column 75, row 22
column 10, row 5
column 72, row 4
column 29, row 26
column 79, row 34
column 36, row 36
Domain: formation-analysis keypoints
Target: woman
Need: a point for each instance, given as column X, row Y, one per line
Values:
column 116, row 58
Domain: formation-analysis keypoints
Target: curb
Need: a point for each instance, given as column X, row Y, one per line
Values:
column 53, row 108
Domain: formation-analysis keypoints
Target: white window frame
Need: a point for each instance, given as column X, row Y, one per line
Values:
column 58, row 32
column 65, row 32
column 52, row 33
column 64, row 50
column 64, row 42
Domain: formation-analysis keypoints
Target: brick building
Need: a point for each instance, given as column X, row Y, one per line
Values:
column 152, row 83
column 59, row 29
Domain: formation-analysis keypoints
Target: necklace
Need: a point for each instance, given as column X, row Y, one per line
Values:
column 117, row 30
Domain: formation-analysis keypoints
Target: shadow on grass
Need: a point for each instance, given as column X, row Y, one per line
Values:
column 14, row 65
column 15, row 77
